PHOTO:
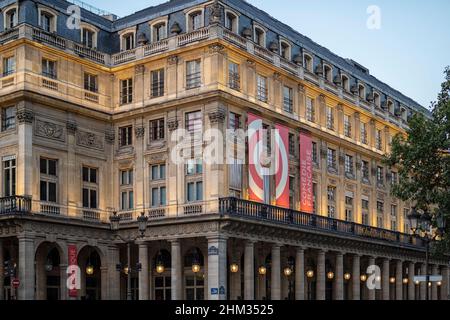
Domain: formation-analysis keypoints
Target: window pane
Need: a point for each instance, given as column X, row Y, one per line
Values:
column 52, row 167
column 154, row 197
column 190, row 191
column 155, row 173
column 43, row 165
column 93, row 199
column 200, row 191
column 162, row 172
column 52, row 192
column 85, row 174
column 43, row 190
column 162, row 200
column 130, row 200
column 93, row 175
column 85, row 198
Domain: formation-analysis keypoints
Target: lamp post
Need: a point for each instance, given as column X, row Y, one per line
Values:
column 142, row 226
column 421, row 226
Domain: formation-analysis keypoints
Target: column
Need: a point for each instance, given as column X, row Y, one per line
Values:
column 300, row 274
column 104, row 283
column 26, row 268
column 25, row 166
column 411, row 284
column 356, row 277
column 176, row 271
column 385, row 280
column 63, row 281
column 339, row 277
column 144, row 273
column 445, row 284
column 423, row 284
column 434, row 290
column 249, row 271
column 320, row 283
column 113, row 274
column 371, row 292
column 399, row 280
column 217, row 268
column 2, row 272
column 276, row 272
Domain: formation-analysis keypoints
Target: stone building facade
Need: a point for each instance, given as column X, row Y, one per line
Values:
column 89, row 110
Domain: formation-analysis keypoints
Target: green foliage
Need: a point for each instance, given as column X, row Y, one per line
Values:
column 423, row 158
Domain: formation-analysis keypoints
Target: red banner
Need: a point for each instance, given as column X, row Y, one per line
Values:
column 72, row 271
column 306, row 174
column 255, row 141
column 282, row 165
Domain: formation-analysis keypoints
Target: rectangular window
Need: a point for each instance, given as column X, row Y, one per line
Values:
column 125, row 136
column 365, row 170
column 349, row 206
column 194, row 122
column 380, row 207
column 126, row 91
column 261, row 88
column 394, row 210
column 126, row 190
column 49, row 68
column 380, row 223
column 90, row 82
column 157, row 130
column 157, row 89
column 380, row 175
column 194, row 191
column 89, row 198
column 46, row 21
column 159, row 32
column 315, row 197
column 234, row 79
column 349, row 164
column 235, row 121
column 365, row 218
column 88, row 38
column 394, row 178
column 9, row 176
column 158, row 172
column 288, row 102
column 48, row 180
column 9, row 66
column 292, row 190
column 363, row 133
column 89, row 175
column 193, row 74
column 90, row 187
column 196, row 20
column 379, row 140
column 292, row 144
column 365, row 204
column 159, row 197
column 310, row 110
column 331, row 192
column 330, row 118
column 194, row 167
column 315, row 155
column 347, row 126
column 8, row 118
column 331, row 158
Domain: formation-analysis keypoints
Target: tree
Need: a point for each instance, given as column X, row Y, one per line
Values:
column 422, row 157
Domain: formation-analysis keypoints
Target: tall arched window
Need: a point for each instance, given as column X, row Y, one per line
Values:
column 128, row 41
column 308, row 62
column 285, row 50
column 10, row 18
column 260, row 36
column 327, row 72
column 361, row 91
column 377, row 99
column 345, row 82
column 88, row 36
column 47, row 19
column 195, row 20
column 231, row 21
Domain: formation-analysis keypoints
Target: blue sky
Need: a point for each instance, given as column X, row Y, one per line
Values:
column 409, row 52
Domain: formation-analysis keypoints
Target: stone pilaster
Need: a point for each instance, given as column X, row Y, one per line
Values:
column 356, row 277
column 25, row 165
column 144, row 281
column 371, row 292
column 321, row 276
column 72, row 171
column 411, row 284
column 385, row 279
column 177, row 271
column 300, row 274
column 26, row 268
column 113, row 258
column 64, row 295
column 2, row 272
column 217, row 268
column 434, row 289
column 423, row 285
column 339, row 279
column 445, row 283
column 399, row 280
column 276, row 272
column 249, row 271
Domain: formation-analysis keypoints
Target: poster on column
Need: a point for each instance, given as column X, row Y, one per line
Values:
column 282, row 165
column 306, row 174
column 255, row 148
column 73, row 272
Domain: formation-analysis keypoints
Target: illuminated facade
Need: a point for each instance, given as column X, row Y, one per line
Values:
column 87, row 119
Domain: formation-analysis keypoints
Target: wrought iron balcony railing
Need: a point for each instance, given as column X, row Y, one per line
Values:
column 15, row 205
column 278, row 215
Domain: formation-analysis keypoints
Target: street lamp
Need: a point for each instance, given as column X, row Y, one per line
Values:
column 234, row 268
column 421, row 227
column 142, row 220
column 262, row 270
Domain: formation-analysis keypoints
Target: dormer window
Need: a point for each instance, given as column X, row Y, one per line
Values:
column 327, row 73
column 10, row 18
column 231, row 21
column 159, row 32
column 47, row 21
column 89, row 37
column 128, row 41
column 361, row 91
column 308, row 62
column 390, row 107
column 285, row 50
column 377, row 99
column 260, row 37
column 345, row 82
column 195, row 20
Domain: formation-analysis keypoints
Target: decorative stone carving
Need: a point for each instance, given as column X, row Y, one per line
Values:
column 216, row 48
column 172, row 60
column 301, row 88
column 340, row 107
column 158, row 157
column 71, row 127
column 139, row 132
column 139, row 69
column 217, row 116
column 277, row 76
column 251, row 64
column 216, row 13
column 49, row 130
column 172, row 124
column 24, row 116
column 175, row 28
column 110, row 136
column 357, row 115
column 89, row 140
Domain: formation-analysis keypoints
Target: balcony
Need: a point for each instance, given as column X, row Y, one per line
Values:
column 15, row 205
column 305, row 221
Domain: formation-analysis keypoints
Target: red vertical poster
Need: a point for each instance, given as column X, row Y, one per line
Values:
column 72, row 271
column 255, row 141
column 282, row 165
column 306, row 174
